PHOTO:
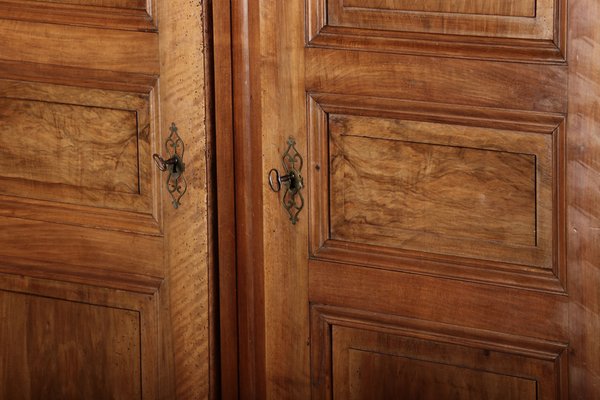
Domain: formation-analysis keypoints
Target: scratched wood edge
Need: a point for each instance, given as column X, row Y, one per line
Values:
column 214, row 341
column 583, row 179
column 182, row 93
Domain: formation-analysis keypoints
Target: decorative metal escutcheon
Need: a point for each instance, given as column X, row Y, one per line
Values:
column 292, row 199
column 176, row 183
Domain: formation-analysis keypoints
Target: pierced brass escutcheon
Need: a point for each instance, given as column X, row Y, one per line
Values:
column 292, row 181
column 176, row 183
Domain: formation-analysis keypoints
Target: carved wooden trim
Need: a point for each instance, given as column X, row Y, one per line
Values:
column 81, row 15
column 519, row 274
column 145, row 302
column 319, row 33
column 323, row 318
column 136, row 211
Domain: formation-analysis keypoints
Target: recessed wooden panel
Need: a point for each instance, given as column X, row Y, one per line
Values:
column 80, row 147
column 515, row 30
column 56, row 349
column 376, row 375
column 520, row 8
column 395, row 188
column 358, row 355
column 508, row 19
column 136, row 4
column 128, row 15
column 425, row 182
column 441, row 188
column 67, row 144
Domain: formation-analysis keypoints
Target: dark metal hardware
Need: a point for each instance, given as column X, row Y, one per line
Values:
column 292, row 181
column 176, row 183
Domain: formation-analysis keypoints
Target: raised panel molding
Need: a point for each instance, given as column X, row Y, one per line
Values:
column 79, row 155
column 450, row 360
column 53, row 330
column 520, row 30
column 513, row 8
column 116, row 14
column 502, row 223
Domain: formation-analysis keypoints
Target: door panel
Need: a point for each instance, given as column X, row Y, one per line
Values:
column 99, row 134
column 54, row 345
column 427, row 361
column 103, row 284
column 443, row 188
column 518, row 30
column 431, row 249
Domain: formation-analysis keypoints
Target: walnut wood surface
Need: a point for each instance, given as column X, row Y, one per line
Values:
column 521, row 8
column 183, row 100
column 583, row 180
column 225, row 198
column 50, row 351
column 91, row 48
column 519, row 19
column 48, row 140
column 104, row 286
column 395, row 186
column 279, row 74
column 140, row 4
column 69, row 12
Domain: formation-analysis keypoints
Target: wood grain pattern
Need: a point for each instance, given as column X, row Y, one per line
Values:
column 78, row 146
column 322, row 31
column 183, row 101
column 378, row 356
column 520, row 8
column 80, row 47
column 488, row 307
column 78, row 246
column 52, row 343
column 95, row 72
column 381, row 376
column 535, row 20
column 286, row 326
column 474, row 89
column 440, row 80
column 224, row 185
column 46, row 142
column 407, row 122
column 79, row 314
column 391, row 182
column 583, row 198
column 136, row 4
column 77, row 13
